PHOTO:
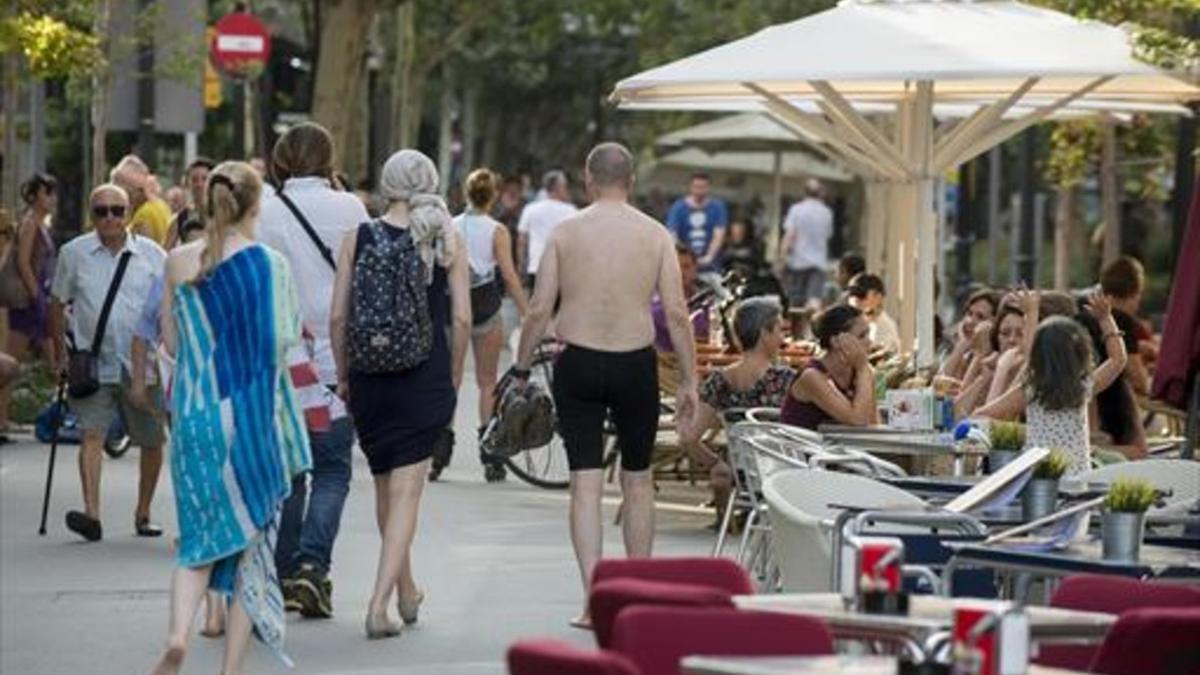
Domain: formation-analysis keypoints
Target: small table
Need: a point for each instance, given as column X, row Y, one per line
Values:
column 1154, row 562
column 837, row 664
column 929, row 619
column 912, row 443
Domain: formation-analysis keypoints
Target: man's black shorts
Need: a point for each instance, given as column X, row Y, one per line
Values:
column 591, row 385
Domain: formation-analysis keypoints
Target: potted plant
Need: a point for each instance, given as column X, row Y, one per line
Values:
column 1007, row 439
column 1041, row 493
column 1123, row 521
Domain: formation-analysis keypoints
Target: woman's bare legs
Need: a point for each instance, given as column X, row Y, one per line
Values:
column 486, row 349
column 402, row 488
column 188, row 586
column 214, row 615
column 237, row 638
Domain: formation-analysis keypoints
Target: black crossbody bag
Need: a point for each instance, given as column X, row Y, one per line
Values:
column 83, row 369
column 326, row 253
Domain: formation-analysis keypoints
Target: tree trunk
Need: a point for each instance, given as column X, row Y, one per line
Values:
column 1064, row 236
column 407, row 92
column 12, row 175
column 101, row 90
column 470, row 124
column 340, row 69
column 445, row 130
column 1110, row 192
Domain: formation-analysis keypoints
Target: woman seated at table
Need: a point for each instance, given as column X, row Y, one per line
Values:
column 839, row 386
column 754, row 381
column 971, row 337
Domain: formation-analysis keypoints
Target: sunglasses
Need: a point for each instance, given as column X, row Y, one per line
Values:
column 101, row 211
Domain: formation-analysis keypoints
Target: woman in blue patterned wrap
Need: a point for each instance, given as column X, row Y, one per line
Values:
column 238, row 432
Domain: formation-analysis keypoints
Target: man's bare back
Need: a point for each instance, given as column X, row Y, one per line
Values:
column 606, row 263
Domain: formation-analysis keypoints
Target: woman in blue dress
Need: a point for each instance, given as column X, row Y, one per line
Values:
column 399, row 413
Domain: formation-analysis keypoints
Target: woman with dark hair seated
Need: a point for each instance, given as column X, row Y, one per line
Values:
column 754, row 381
column 971, row 335
column 838, row 387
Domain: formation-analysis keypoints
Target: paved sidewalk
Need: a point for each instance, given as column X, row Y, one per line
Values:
column 495, row 562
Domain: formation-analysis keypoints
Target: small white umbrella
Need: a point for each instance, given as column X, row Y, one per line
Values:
column 755, row 140
column 909, row 55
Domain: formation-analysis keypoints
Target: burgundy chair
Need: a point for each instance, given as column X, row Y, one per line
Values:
column 1157, row 641
column 610, row 596
column 1113, row 595
column 719, row 572
column 657, row 638
column 551, row 657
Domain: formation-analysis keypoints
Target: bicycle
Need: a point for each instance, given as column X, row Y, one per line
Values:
column 546, row 467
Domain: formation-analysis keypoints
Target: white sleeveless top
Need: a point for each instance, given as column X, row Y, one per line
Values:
column 478, row 231
column 1065, row 430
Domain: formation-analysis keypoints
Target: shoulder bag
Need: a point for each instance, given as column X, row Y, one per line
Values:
column 326, row 253
column 83, row 368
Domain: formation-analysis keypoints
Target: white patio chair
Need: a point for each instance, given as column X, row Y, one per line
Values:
column 1180, row 476
column 802, row 519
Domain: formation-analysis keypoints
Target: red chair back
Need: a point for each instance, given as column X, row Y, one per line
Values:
column 719, row 572
column 1113, row 595
column 1162, row 641
column 550, row 657
column 657, row 638
column 611, row 596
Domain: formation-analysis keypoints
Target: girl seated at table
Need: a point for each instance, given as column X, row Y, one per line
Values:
column 754, row 381
column 839, row 386
column 1058, row 382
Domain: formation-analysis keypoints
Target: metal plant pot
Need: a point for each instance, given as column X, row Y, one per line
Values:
column 998, row 458
column 1039, row 499
column 1122, row 535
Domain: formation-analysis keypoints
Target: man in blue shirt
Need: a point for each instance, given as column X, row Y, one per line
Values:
column 698, row 222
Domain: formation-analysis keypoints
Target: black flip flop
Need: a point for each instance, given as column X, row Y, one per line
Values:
column 84, row 525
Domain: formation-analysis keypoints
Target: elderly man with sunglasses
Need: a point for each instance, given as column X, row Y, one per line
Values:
column 88, row 266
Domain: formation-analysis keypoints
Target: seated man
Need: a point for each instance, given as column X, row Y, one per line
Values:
column 867, row 293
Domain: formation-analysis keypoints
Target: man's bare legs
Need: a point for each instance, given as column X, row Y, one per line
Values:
column 587, row 534
column 397, row 505
column 149, row 467
column 91, row 454
column 637, row 525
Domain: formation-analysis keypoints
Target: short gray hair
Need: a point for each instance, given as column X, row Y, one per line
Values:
column 754, row 315
column 552, row 178
column 610, row 165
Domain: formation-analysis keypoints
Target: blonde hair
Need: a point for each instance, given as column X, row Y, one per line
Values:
column 409, row 176
column 481, row 188
column 233, row 191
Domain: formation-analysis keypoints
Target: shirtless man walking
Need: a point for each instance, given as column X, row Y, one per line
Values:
column 605, row 265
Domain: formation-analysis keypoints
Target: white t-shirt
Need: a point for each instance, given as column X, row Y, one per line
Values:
column 333, row 215
column 478, row 230
column 812, row 222
column 884, row 332
column 538, row 220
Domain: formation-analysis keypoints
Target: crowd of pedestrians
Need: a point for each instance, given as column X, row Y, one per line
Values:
column 269, row 322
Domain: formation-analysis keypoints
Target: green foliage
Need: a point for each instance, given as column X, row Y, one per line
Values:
column 1053, row 467
column 31, row 393
column 1130, row 495
column 1007, row 435
column 51, row 46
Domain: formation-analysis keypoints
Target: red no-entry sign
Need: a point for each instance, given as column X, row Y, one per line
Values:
column 241, row 42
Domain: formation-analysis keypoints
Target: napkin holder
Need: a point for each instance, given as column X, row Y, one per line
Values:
column 872, row 574
column 990, row 638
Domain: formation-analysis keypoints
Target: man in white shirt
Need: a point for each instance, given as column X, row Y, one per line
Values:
column 303, row 163
column 805, row 249
column 86, row 268
column 868, row 293
column 539, row 219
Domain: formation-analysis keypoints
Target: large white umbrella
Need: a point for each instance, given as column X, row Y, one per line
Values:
column 910, row 55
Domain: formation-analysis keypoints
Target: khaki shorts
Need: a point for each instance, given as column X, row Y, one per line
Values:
column 97, row 412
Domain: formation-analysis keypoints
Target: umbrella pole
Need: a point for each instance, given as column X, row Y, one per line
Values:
column 775, row 210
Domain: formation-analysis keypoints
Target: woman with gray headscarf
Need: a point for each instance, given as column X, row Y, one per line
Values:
column 399, row 412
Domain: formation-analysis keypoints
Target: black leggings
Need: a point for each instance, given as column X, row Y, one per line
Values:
column 591, row 385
